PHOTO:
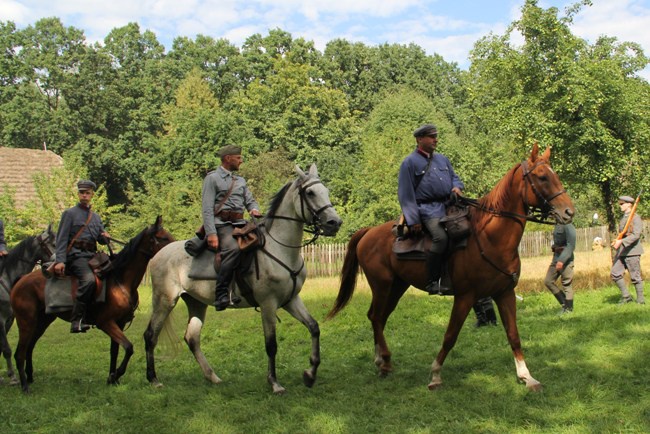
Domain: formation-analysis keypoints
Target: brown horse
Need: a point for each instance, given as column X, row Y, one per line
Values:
column 488, row 266
column 111, row 316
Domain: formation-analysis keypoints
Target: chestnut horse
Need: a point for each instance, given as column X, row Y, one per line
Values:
column 489, row 266
column 18, row 262
column 110, row 316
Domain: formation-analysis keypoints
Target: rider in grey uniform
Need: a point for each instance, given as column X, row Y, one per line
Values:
column 75, row 247
column 221, row 217
column 628, row 253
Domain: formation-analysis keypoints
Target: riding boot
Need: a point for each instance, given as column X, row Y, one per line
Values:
column 223, row 297
column 568, row 306
column 76, row 318
column 639, row 293
column 625, row 294
column 485, row 314
column 434, row 268
column 561, row 298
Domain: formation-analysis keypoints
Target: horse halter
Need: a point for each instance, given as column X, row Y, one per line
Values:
column 537, row 214
column 315, row 213
column 43, row 243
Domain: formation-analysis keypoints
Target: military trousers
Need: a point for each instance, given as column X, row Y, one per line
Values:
column 229, row 257
column 630, row 263
column 78, row 266
column 438, row 234
column 566, row 278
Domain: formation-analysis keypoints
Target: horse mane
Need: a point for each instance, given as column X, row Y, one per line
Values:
column 125, row 256
column 15, row 254
column 276, row 200
column 496, row 199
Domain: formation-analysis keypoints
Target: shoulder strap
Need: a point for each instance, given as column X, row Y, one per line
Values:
column 83, row 228
column 222, row 202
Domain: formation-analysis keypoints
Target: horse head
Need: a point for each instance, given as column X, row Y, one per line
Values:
column 313, row 203
column 544, row 190
column 46, row 244
column 157, row 237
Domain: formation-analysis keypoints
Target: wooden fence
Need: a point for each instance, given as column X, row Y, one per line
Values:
column 326, row 260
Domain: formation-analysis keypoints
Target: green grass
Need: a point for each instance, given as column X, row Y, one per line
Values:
column 594, row 366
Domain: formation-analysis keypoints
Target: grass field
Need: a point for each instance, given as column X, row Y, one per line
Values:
column 594, row 365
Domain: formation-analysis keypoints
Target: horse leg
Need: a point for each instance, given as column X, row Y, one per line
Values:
column 384, row 302
column 6, row 352
column 196, row 312
column 269, row 320
column 297, row 309
column 117, row 336
column 508, row 312
column 162, row 306
column 462, row 306
column 112, row 368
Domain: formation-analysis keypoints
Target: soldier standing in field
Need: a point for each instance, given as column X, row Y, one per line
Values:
column 628, row 252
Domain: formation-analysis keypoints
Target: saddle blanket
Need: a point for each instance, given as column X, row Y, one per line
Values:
column 59, row 295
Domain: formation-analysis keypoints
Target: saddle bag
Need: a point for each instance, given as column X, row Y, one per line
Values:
column 246, row 236
column 101, row 264
column 456, row 222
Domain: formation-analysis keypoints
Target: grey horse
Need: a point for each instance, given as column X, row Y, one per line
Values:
column 275, row 281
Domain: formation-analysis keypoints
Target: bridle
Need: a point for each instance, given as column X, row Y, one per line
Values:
column 537, row 214
column 534, row 214
column 313, row 225
column 44, row 245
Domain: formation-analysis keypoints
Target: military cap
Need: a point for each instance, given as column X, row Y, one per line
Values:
column 86, row 185
column 425, row 130
column 626, row 199
column 229, row 150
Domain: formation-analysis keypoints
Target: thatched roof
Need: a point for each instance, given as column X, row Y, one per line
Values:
column 18, row 166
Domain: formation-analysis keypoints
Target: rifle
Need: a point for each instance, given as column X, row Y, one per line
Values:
column 627, row 225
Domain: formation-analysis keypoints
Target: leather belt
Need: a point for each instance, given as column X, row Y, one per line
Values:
column 89, row 246
column 230, row 216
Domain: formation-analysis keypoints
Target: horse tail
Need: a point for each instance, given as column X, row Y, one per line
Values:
column 349, row 274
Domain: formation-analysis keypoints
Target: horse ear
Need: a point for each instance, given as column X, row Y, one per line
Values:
column 158, row 223
column 534, row 153
column 547, row 154
column 300, row 172
column 313, row 171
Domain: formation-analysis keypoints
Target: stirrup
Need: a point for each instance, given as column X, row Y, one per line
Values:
column 435, row 288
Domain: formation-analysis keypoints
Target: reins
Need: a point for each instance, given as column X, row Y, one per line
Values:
column 313, row 223
column 533, row 214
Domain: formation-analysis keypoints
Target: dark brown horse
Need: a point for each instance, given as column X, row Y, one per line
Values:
column 488, row 266
column 111, row 316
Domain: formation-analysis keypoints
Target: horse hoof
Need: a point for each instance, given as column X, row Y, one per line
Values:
column 534, row 386
column 308, row 378
column 278, row 390
column 434, row 385
column 14, row 382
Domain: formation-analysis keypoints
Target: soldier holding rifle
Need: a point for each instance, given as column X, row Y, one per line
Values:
column 627, row 246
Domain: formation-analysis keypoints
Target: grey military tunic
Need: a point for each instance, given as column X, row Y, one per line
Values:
column 628, row 255
column 72, row 220
column 215, row 186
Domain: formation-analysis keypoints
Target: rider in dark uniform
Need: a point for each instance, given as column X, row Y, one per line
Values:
column 74, row 247
column 426, row 181
column 3, row 245
column 220, row 217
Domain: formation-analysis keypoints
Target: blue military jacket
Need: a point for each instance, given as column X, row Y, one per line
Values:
column 215, row 186
column 72, row 220
column 433, row 186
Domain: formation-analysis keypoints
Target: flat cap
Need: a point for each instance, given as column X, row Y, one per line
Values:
column 86, row 185
column 626, row 199
column 425, row 130
column 229, row 150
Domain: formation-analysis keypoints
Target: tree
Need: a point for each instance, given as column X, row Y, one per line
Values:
column 557, row 89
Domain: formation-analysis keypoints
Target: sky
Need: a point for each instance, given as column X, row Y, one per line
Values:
column 448, row 28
